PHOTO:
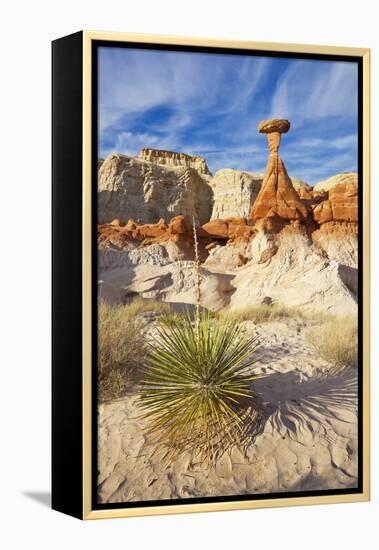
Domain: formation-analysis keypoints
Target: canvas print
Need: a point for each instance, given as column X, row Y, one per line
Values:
column 227, row 275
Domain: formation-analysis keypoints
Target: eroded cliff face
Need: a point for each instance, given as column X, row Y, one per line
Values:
column 337, row 214
column 340, row 204
column 344, row 177
column 171, row 158
column 233, row 193
column 132, row 188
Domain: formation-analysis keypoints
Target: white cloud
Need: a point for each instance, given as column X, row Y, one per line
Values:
column 132, row 81
column 313, row 90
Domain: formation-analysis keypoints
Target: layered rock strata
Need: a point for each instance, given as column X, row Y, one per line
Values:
column 171, row 158
column 233, row 193
column 344, row 177
column 131, row 188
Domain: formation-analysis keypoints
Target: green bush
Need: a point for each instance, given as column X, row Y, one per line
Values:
column 196, row 376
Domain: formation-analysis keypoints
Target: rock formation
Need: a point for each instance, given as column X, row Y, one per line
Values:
column 229, row 228
column 302, row 188
column 233, row 193
column 277, row 197
column 174, row 238
column 262, row 238
column 288, row 262
column 132, row 188
column 286, row 269
column 170, row 158
column 152, row 272
column 344, row 177
column 341, row 204
column 160, row 231
column 337, row 215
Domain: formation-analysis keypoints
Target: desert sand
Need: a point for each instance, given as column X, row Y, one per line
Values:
column 308, row 439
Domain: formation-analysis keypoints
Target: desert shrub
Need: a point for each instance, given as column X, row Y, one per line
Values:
column 196, row 374
column 121, row 347
column 336, row 341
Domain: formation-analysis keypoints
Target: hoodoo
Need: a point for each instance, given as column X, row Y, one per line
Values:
column 277, row 197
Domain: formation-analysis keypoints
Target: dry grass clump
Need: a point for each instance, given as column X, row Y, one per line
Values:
column 121, row 344
column 141, row 305
column 265, row 313
column 261, row 313
column 336, row 341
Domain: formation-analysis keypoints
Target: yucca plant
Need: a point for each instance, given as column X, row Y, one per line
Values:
column 195, row 379
column 197, row 373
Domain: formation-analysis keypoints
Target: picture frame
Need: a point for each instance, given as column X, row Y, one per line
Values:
column 76, row 144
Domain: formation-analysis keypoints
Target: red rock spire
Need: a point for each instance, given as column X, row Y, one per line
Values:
column 277, row 196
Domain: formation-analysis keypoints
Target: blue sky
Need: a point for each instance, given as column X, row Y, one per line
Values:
column 210, row 105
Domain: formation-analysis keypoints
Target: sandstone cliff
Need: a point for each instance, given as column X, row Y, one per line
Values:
column 344, row 177
column 132, row 188
column 341, row 204
column 233, row 193
column 337, row 214
column 171, row 158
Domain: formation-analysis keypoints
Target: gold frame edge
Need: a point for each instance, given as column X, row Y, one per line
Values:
column 364, row 496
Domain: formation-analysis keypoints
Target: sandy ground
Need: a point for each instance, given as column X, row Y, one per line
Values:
column 308, row 439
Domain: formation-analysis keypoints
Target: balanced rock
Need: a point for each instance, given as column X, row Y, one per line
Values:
column 280, row 125
column 171, row 158
column 277, row 197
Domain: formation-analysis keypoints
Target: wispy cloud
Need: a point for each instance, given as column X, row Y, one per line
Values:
column 210, row 104
column 310, row 90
